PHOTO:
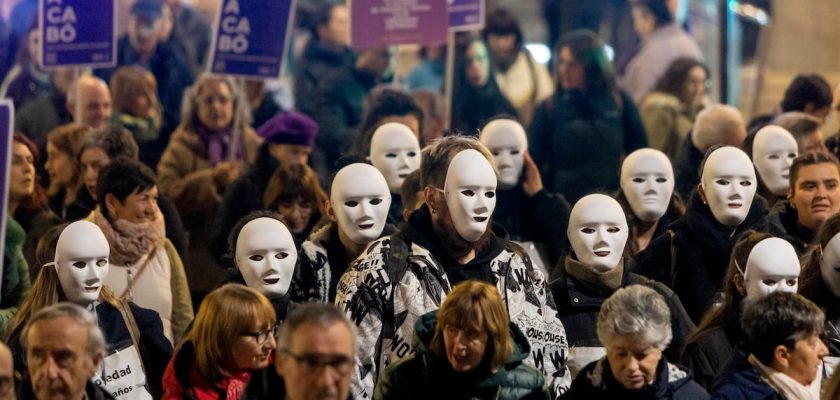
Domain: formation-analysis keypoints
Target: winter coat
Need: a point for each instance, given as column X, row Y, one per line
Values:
column 40, row 116
column 800, row 237
column 182, row 381
column 596, row 381
column 541, row 218
column 701, row 247
column 742, row 381
column 426, row 375
column 399, row 278
column 147, row 133
column 578, row 304
column 25, row 83
column 92, row 391
column 578, row 141
column 672, row 214
column 525, row 84
column 15, row 275
column 687, row 168
column 35, row 224
column 266, row 384
column 316, row 63
column 473, row 107
column 667, row 121
column 708, row 353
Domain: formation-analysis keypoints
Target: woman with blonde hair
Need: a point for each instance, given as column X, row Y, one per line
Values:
column 63, row 145
column 466, row 349
column 137, row 109
column 220, row 354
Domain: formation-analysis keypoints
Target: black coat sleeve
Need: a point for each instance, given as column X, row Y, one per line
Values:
column 655, row 261
column 240, row 200
column 548, row 216
column 175, row 229
column 155, row 349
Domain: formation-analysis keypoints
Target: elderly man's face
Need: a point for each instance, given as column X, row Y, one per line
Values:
column 144, row 33
column 56, row 357
column 319, row 363
column 95, row 105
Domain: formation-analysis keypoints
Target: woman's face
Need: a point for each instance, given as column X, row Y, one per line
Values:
column 93, row 160
column 215, row 105
column 478, row 65
column 632, row 361
column 137, row 208
column 694, row 87
column 249, row 353
column 33, row 46
column 570, row 71
column 465, row 347
column 59, row 166
column 142, row 105
column 805, row 359
column 296, row 214
column 22, row 173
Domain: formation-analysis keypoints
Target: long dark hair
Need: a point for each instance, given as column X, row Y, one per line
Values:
column 589, row 50
column 673, row 80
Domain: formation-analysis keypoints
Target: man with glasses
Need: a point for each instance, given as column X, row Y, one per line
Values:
column 314, row 358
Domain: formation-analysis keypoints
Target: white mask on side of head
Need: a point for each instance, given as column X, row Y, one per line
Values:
column 774, row 149
column 81, row 262
column 506, row 140
column 395, row 152
column 360, row 199
column 470, row 191
column 647, row 180
column 598, row 231
column 830, row 265
column 771, row 267
column 266, row 256
column 729, row 183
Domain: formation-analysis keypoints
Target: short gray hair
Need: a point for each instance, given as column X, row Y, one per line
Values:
column 636, row 311
column 714, row 124
column 320, row 314
column 95, row 338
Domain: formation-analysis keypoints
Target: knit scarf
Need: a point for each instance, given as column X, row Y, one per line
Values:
column 218, row 143
column 787, row 386
column 594, row 279
column 130, row 241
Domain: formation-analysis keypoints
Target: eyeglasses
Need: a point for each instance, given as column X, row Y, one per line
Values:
column 313, row 362
column 263, row 335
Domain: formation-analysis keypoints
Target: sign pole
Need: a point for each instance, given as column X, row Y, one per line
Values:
column 7, row 114
column 449, row 74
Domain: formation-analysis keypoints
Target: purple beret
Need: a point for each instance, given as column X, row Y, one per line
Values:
column 289, row 128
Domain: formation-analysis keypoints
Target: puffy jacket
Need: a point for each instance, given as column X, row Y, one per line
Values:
column 741, row 381
column 15, row 274
column 596, row 381
column 710, row 351
column 425, row 375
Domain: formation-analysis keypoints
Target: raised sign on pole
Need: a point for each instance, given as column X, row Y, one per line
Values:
column 250, row 38
column 77, row 33
column 382, row 23
column 466, row 15
column 7, row 112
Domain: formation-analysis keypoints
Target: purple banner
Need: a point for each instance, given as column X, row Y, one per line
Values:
column 251, row 37
column 77, row 33
column 381, row 23
column 7, row 112
column 466, row 15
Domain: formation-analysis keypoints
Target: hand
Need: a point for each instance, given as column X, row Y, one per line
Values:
column 533, row 182
column 226, row 172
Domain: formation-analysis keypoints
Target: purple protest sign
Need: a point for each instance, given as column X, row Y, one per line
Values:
column 77, row 33
column 381, row 23
column 466, row 15
column 251, row 37
column 7, row 111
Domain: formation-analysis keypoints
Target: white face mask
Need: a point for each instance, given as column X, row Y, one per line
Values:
column 395, row 152
column 266, row 256
column 598, row 231
column 470, row 191
column 729, row 184
column 774, row 149
column 506, row 139
column 81, row 261
column 830, row 265
column 771, row 267
column 360, row 200
column 647, row 181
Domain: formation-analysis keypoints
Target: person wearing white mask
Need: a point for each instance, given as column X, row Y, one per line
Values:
column 647, row 197
column 692, row 257
column 265, row 257
column 395, row 152
column 820, row 281
column 448, row 240
column 75, row 260
column 772, row 150
column 358, row 213
column 760, row 264
column 523, row 205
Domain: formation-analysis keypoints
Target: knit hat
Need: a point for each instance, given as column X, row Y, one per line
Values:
column 289, row 128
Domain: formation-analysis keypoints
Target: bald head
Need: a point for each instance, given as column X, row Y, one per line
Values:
column 89, row 101
column 718, row 124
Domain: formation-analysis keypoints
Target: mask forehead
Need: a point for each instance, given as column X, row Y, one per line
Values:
column 81, row 240
column 263, row 234
column 645, row 162
column 504, row 134
column 729, row 162
column 393, row 136
column 596, row 209
column 469, row 168
column 772, row 257
column 358, row 181
column 773, row 139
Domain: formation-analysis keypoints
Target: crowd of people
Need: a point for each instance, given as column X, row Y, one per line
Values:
column 576, row 232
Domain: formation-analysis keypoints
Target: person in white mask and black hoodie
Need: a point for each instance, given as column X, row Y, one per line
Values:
column 593, row 271
column 820, row 281
column 691, row 259
column 358, row 211
column 448, row 240
column 523, row 205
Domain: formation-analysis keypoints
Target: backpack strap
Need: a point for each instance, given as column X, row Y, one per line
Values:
column 673, row 264
column 397, row 266
column 133, row 331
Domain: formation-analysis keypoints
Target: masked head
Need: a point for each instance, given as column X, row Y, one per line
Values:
column 598, row 231
column 359, row 202
column 506, row 139
column 773, row 150
column 266, row 256
column 470, row 192
column 647, row 181
column 772, row 266
column 728, row 185
column 395, row 152
column 81, row 261
column 830, row 265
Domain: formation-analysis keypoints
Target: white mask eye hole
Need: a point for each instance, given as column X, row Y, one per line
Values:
column 639, row 179
column 101, row 262
column 281, row 255
column 256, row 257
column 391, row 155
column 351, row 203
column 490, row 195
column 376, row 201
column 613, row 229
column 746, row 183
column 773, row 157
column 769, row 282
column 661, row 179
column 496, row 153
column 587, row 230
column 468, row 193
column 79, row 264
column 515, row 152
column 792, row 156
column 722, row 182
column 792, row 282
column 412, row 154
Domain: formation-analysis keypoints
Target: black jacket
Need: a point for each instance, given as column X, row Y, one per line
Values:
column 702, row 247
column 92, row 391
column 799, row 236
column 316, row 62
column 707, row 354
column 741, row 381
column 687, row 168
column 542, row 218
column 596, row 381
